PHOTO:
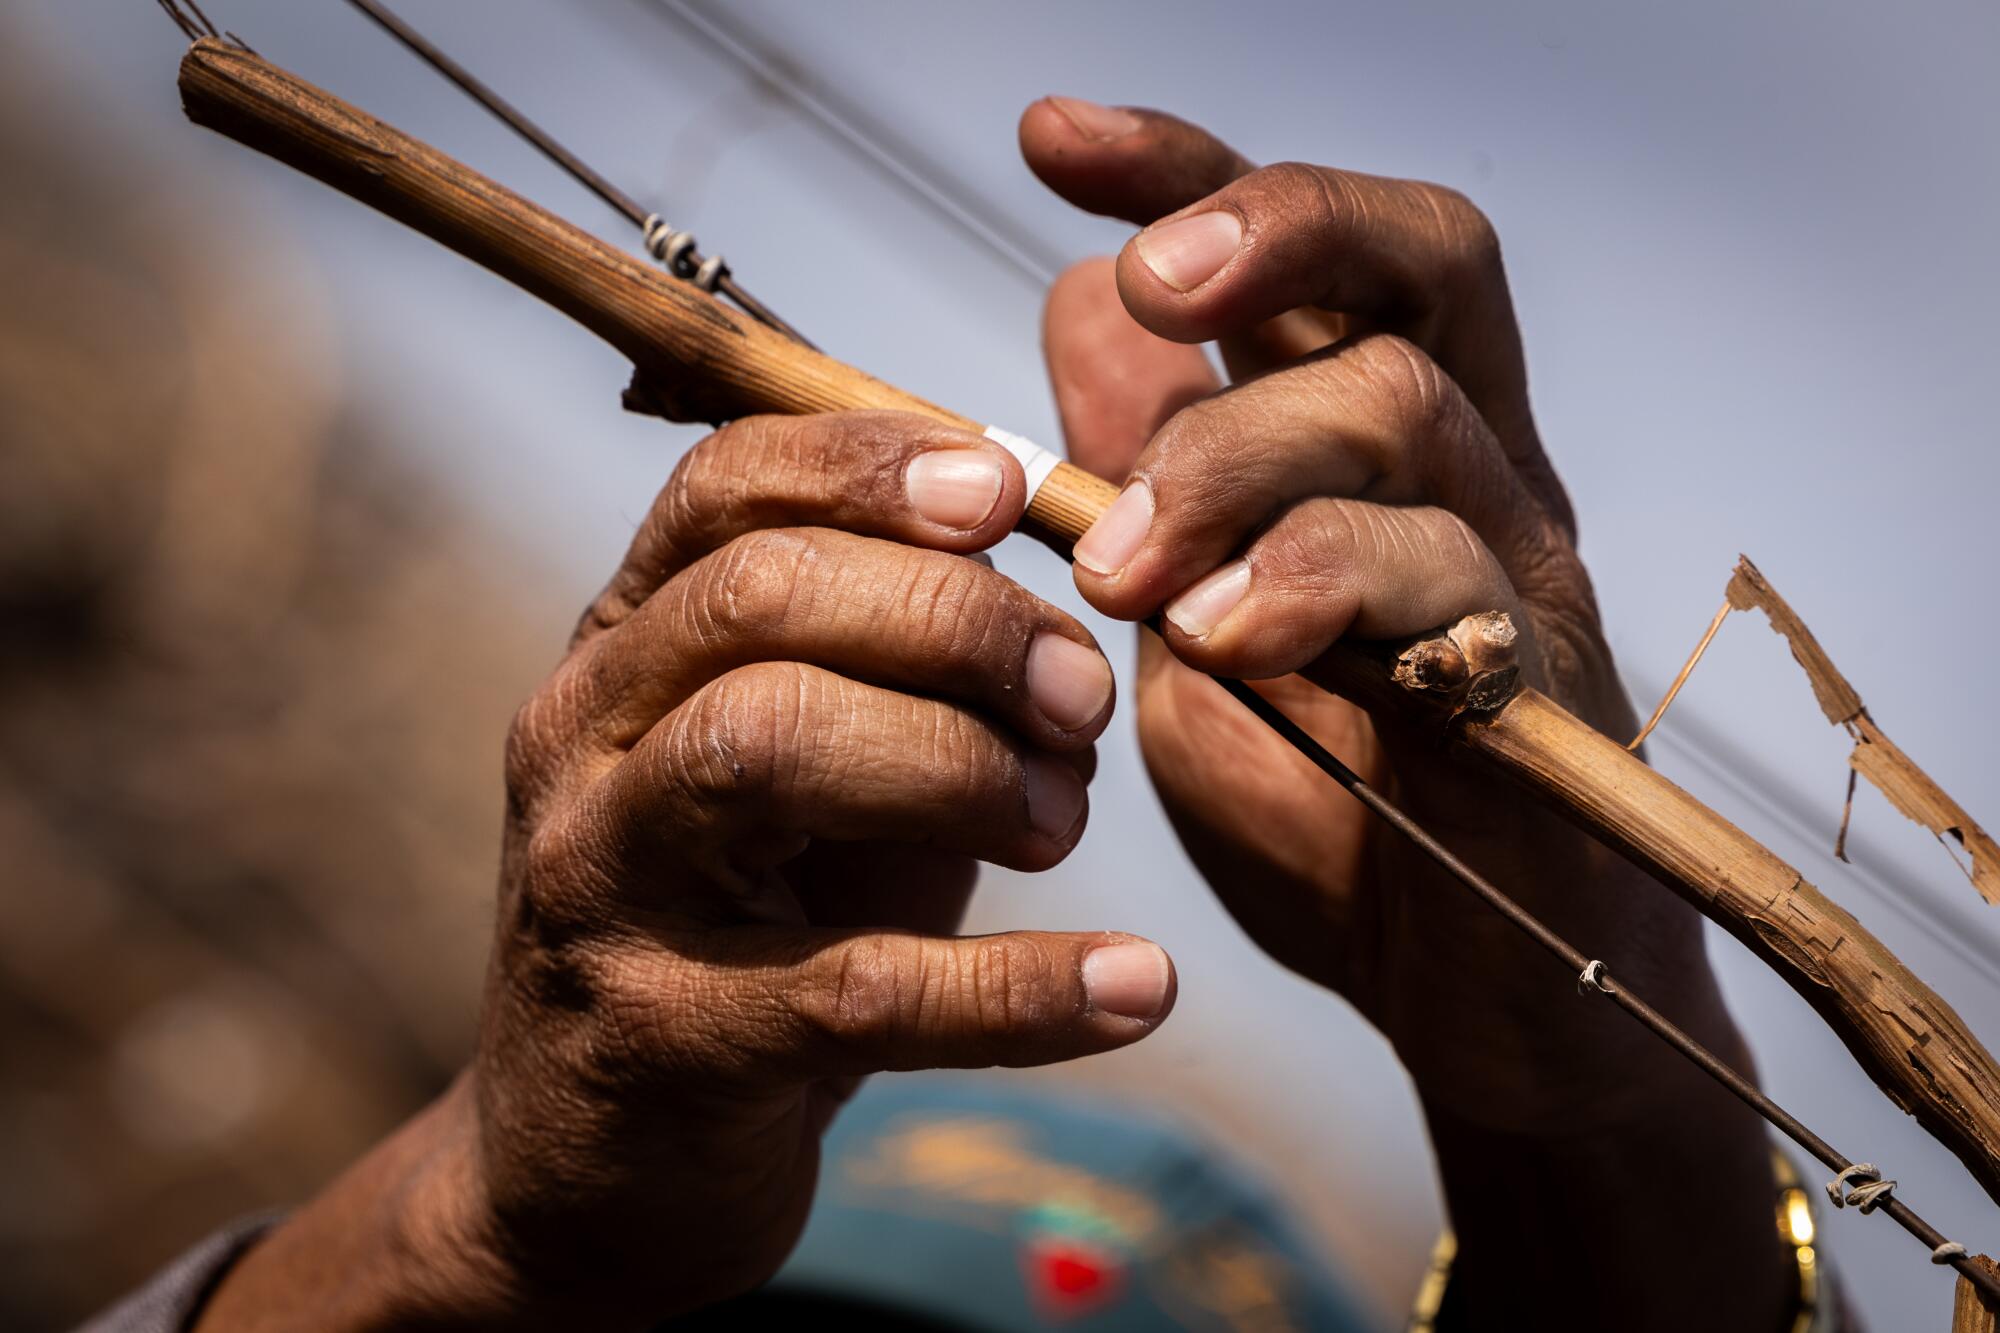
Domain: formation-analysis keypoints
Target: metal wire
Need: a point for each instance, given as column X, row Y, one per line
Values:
column 584, row 174
column 926, row 181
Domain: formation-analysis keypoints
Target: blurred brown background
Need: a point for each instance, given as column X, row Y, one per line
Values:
column 253, row 679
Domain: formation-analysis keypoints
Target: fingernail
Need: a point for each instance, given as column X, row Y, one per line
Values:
column 1119, row 531
column 1127, row 979
column 955, row 487
column 1202, row 607
column 1094, row 121
column 1187, row 253
column 1067, row 681
column 1055, row 796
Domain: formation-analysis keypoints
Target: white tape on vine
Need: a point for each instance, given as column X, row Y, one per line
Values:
column 1036, row 461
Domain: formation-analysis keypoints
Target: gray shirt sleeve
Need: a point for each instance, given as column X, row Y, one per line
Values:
column 172, row 1297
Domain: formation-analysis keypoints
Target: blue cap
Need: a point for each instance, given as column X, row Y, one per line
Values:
column 995, row 1207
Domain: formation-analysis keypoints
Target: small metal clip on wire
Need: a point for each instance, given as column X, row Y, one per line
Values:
column 677, row 250
column 1865, row 1189
column 1593, row 977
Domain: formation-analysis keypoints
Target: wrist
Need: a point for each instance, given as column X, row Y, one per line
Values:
column 1543, row 1062
column 398, row 1240
column 1802, row 1292
column 442, row 1240
column 1606, row 1221
column 1564, row 1155
column 1494, row 1029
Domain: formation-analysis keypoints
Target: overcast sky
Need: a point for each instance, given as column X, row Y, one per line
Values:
column 1751, row 248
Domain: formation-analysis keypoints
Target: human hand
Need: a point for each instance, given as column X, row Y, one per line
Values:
column 743, row 818
column 1374, row 471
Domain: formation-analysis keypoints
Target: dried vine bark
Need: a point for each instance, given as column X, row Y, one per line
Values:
column 1875, row 756
column 695, row 360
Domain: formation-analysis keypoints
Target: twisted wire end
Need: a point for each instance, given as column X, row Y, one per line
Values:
column 678, row 252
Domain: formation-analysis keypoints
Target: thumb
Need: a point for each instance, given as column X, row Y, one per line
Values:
column 859, row 1002
column 1115, row 384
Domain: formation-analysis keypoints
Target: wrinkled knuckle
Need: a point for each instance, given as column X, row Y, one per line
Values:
column 1466, row 236
column 1459, row 547
column 561, row 863
column 1199, row 451
column 1407, row 386
column 1390, row 537
column 1305, row 193
column 866, row 1003
column 900, row 993
column 734, row 736
column 688, row 483
column 1185, row 434
column 1571, row 644
column 958, row 753
column 1006, row 986
column 706, row 482
column 968, row 615
column 823, row 458
column 749, row 588
column 529, row 756
column 1329, row 546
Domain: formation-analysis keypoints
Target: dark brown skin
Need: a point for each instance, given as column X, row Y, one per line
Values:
column 1377, row 466
column 745, row 811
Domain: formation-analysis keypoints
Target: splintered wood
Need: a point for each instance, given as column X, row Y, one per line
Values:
column 1875, row 756
column 1972, row 1312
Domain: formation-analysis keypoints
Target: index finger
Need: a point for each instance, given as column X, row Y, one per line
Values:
column 1140, row 165
column 1251, row 258
column 878, row 474
column 1227, row 245
column 1124, row 162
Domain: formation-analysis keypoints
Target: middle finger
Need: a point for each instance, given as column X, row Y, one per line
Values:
column 1372, row 418
column 872, row 610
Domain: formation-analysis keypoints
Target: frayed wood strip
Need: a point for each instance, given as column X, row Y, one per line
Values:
column 1674, row 689
column 1875, row 756
column 1749, row 589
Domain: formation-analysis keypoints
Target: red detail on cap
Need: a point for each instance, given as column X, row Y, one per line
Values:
column 1068, row 1277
